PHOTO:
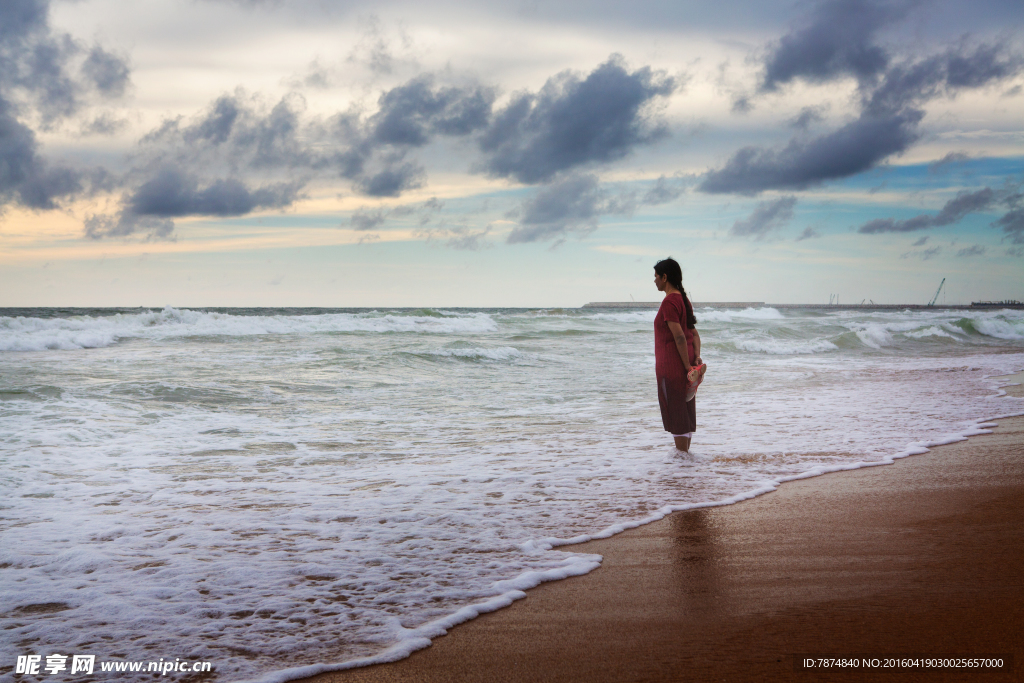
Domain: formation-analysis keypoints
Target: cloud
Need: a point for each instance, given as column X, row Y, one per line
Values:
column 460, row 237
column 1013, row 225
column 949, row 159
column 1015, row 251
column 572, row 122
column 391, row 182
column 46, row 77
column 664, row 191
column 853, row 148
column 109, row 73
column 367, row 220
column 767, row 216
column 923, row 254
column 976, row 250
column 469, row 240
column 173, row 193
column 411, row 113
column 25, row 177
column 240, row 137
column 574, row 202
column 571, row 204
column 127, row 224
column 837, row 40
column 913, row 82
column 807, row 234
column 104, row 124
column 952, row 212
column 55, row 73
column 807, row 116
column 216, row 125
column 921, row 242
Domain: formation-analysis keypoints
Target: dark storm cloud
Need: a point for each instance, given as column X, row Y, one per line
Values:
column 48, row 77
column 391, row 182
column 52, row 73
column 837, row 40
column 26, row 178
column 410, row 114
column 767, row 216
column 197, row 167
column 572, row 122
column 173, row 193
column 236, row 133
column 914, row 82
column 952, row 212
column 853, row 148
column 216, row 125
column 887, row 126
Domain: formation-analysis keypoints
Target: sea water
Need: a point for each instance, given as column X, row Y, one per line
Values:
column 282, row 491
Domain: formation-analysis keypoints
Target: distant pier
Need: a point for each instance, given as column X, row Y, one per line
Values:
column 975, row 306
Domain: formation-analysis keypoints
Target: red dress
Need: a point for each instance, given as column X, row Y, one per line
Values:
column 678, row 415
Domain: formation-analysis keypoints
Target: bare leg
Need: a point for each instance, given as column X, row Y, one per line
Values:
column 682, row 443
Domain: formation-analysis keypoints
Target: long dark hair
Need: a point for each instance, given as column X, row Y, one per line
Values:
column 670, row 268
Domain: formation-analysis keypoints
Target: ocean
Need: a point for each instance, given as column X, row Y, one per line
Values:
column 284, row 491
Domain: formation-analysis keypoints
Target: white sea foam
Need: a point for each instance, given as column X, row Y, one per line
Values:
column 1000, row 327
column 932, row 331
column 38, row 334
column 785, row 346
column 874, row 335
column 729, row 315
column 641, row 316
column 332, row 496
column 501, row 353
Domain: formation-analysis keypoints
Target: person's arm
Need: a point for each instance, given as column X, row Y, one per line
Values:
column 696, row 345
column 677, row 333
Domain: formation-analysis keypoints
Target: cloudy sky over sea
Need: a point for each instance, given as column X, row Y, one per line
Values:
column 301, row 152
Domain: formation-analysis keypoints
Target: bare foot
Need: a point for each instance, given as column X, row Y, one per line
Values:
column 682, row 443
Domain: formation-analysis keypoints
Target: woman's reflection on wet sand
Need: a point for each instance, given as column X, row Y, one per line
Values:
column 696, row 562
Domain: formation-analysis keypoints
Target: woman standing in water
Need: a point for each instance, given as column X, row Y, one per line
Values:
column 676, row 354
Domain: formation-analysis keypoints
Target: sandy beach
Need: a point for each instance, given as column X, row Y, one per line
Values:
column 922, row 558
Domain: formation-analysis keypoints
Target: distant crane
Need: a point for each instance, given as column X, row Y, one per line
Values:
column 936, row 297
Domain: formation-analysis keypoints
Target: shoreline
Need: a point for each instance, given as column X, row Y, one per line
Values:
column 480, row 650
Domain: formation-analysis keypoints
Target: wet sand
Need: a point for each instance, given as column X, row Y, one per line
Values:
column 924, row 557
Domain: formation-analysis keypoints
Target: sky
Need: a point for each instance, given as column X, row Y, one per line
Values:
column 450, row 154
